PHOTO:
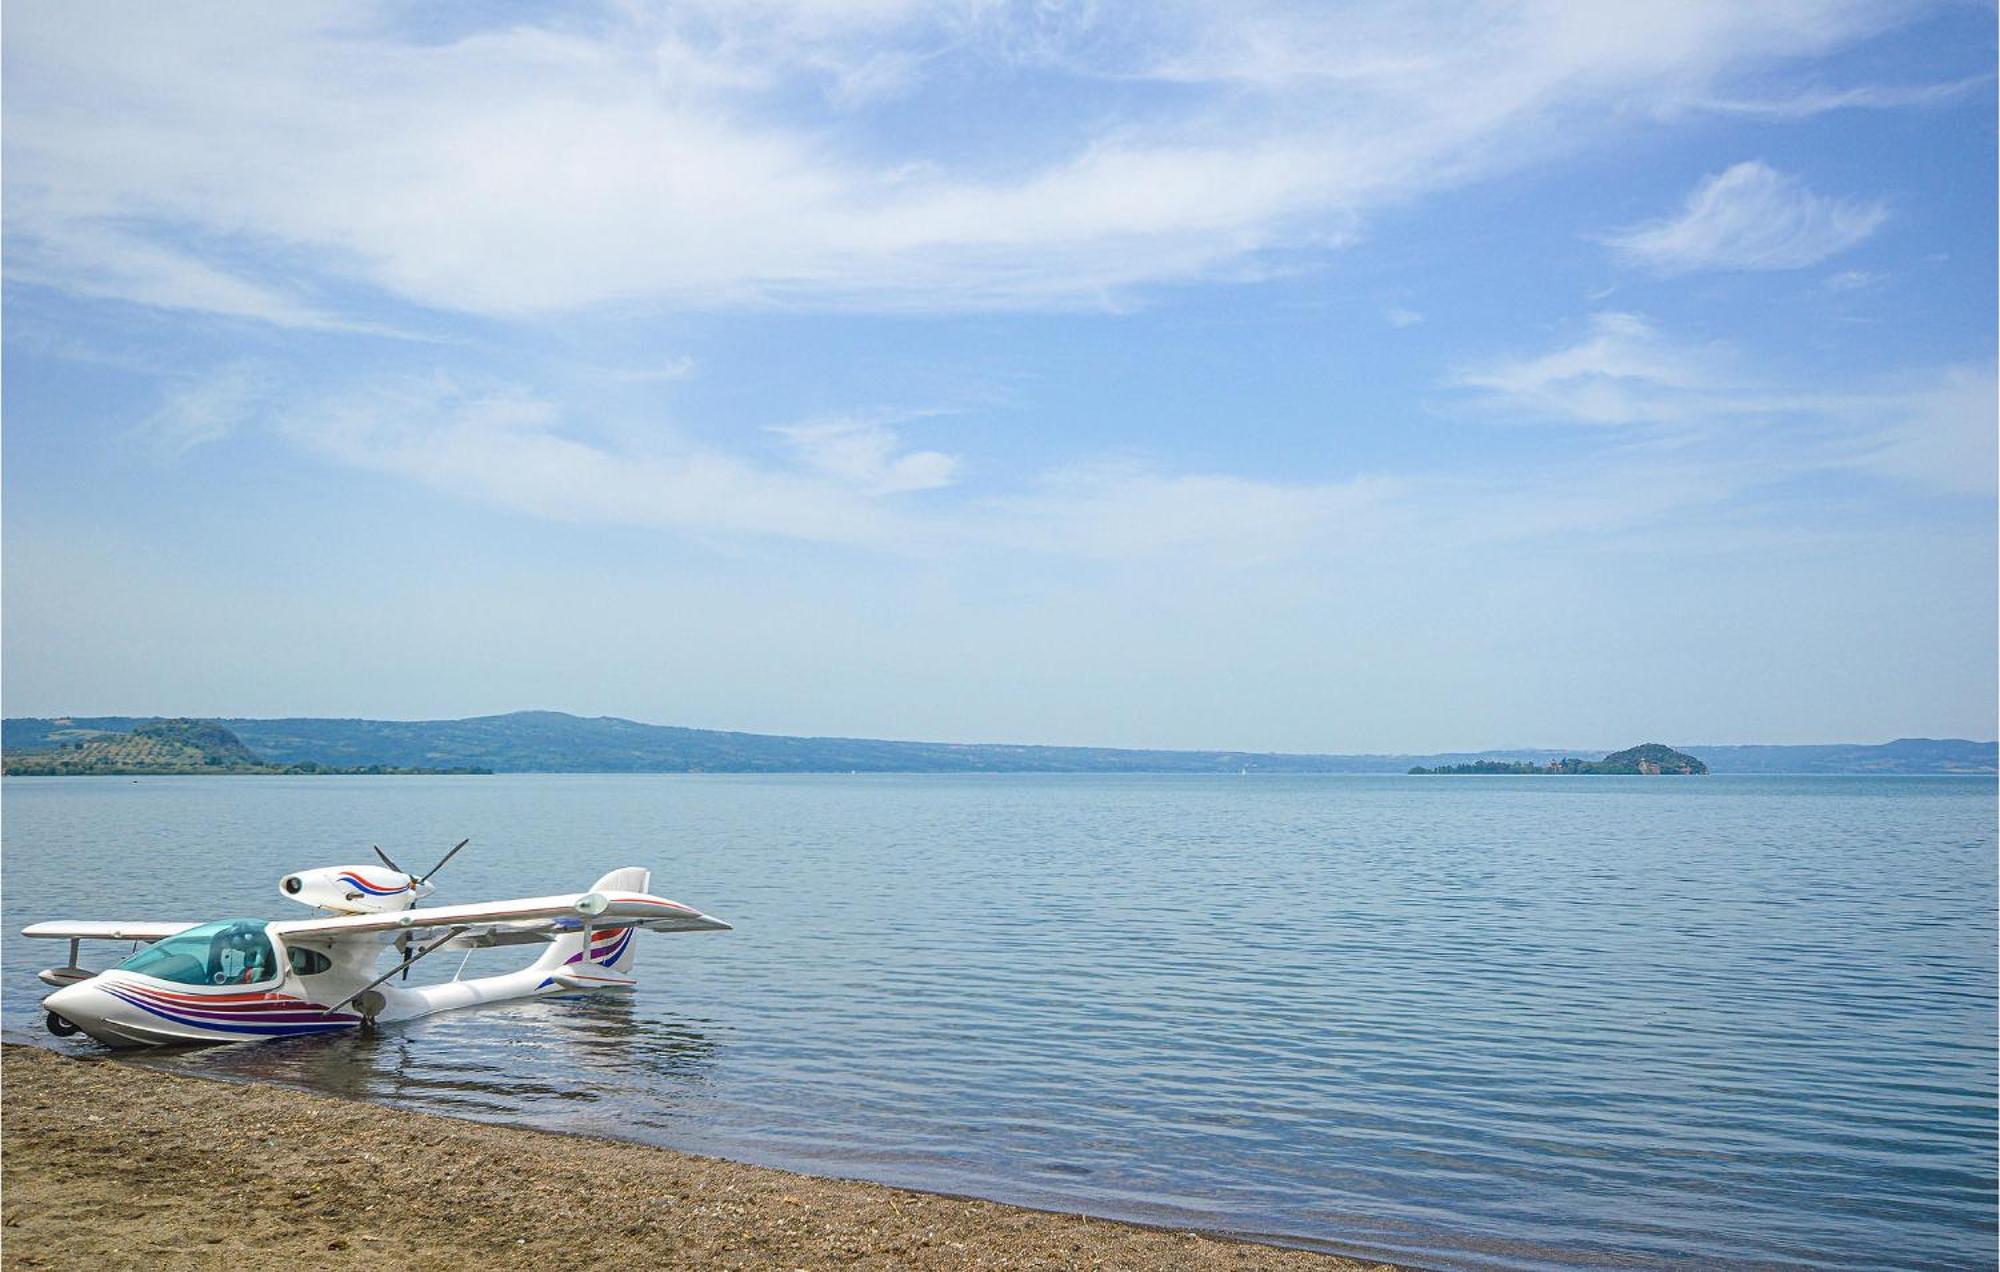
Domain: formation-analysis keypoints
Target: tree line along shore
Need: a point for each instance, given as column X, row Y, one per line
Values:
column 1649, row 759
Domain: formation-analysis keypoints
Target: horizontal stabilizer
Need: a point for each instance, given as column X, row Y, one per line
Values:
column 596, row 978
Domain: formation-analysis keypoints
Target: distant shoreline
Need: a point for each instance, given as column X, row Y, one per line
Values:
column 1373, row 771
column 554, row 742
column 1648, row 759
column 290, row 770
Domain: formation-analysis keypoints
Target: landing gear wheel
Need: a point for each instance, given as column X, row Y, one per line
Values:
column 58, row 1026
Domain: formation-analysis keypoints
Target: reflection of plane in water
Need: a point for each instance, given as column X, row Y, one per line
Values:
column 236, row 980
column 522, row 1058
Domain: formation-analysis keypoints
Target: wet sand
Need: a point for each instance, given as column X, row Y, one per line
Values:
column 107, row 1165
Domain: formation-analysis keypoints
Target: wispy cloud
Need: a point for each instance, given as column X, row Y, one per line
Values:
column 1119, row 510
column 848, row 482
column 667, row 369
column 787, row 154
column 1938, row 434
column 1932, row 430
column 1750, row 217
column 99, row 260
column 1806, row 103
column 206, row 408
column 1699, row 434
column 1621, row 372
column 866, row 453
column 511, row 449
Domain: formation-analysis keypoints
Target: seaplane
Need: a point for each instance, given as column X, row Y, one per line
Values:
column 234, row 980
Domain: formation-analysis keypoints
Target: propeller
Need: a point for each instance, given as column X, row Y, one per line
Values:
column 386, row 861
column 447, row 857
column 403, row 940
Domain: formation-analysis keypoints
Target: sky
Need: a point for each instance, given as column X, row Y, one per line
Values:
column 1372, row 377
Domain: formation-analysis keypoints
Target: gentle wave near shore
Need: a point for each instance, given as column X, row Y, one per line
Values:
column 113, row 1166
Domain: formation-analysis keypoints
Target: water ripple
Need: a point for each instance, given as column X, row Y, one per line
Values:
column 1499, row 1023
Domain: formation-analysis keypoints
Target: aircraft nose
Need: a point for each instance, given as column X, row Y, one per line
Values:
column 82, row 1004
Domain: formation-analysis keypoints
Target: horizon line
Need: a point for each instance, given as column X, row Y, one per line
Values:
column 1076, row 746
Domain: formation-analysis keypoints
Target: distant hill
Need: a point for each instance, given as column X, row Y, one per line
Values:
column 553, row 742
column 215, row 745
column 157, row 747
column 1904, row 755
column 1649, row 759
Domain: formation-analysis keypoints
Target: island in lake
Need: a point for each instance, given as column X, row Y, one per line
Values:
column 168, row 747
column 1649, row 760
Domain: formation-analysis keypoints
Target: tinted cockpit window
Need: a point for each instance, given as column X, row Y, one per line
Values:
column 309, row 962
column 232, row 952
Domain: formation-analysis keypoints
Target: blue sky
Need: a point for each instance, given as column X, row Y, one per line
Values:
column 1380, row 377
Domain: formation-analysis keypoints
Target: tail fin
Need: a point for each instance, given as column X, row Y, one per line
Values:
column 609, row 948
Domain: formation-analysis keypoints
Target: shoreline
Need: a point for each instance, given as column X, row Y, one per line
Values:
column 112, row 1165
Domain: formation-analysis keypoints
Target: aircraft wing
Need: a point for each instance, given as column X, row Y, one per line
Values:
column 508, row 922
column 64, row 930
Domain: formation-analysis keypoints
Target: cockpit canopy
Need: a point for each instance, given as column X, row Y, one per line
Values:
column 227, row 952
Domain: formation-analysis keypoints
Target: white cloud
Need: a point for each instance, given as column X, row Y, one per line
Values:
column 1936, row 436
column 91, row 259
column 207, row 409
column 864, row 453
column 513, row 450
column 1622, row 372
column 675, row 368
column 1700, row 434
column 1806, row 103
column 1750, row 217
column 735, row 155
column 1397, row 316
column 1935, row 430
column 1127, row 510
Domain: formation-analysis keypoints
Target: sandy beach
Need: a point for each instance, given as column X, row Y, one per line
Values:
column 109, row 1165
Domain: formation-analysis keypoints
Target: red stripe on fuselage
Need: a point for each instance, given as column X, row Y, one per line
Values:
column 209, row 999
column 227, row 1004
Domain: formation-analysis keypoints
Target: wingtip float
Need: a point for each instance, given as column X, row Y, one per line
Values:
column 232, row 980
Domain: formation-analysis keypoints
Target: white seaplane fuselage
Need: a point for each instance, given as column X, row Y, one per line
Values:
column 236, row 980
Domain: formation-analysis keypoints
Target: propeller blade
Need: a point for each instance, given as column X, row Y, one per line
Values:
column 403, row 952
column 385, row 860
column 447, row 857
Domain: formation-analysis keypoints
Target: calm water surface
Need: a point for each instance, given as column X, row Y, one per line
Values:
column 1491, row 1022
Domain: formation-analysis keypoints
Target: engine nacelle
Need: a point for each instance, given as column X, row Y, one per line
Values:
column 354, row 889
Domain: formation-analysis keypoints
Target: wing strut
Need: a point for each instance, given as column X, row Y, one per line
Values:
column 432, row 948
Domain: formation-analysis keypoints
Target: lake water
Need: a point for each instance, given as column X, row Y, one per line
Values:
column 1472, row 1022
